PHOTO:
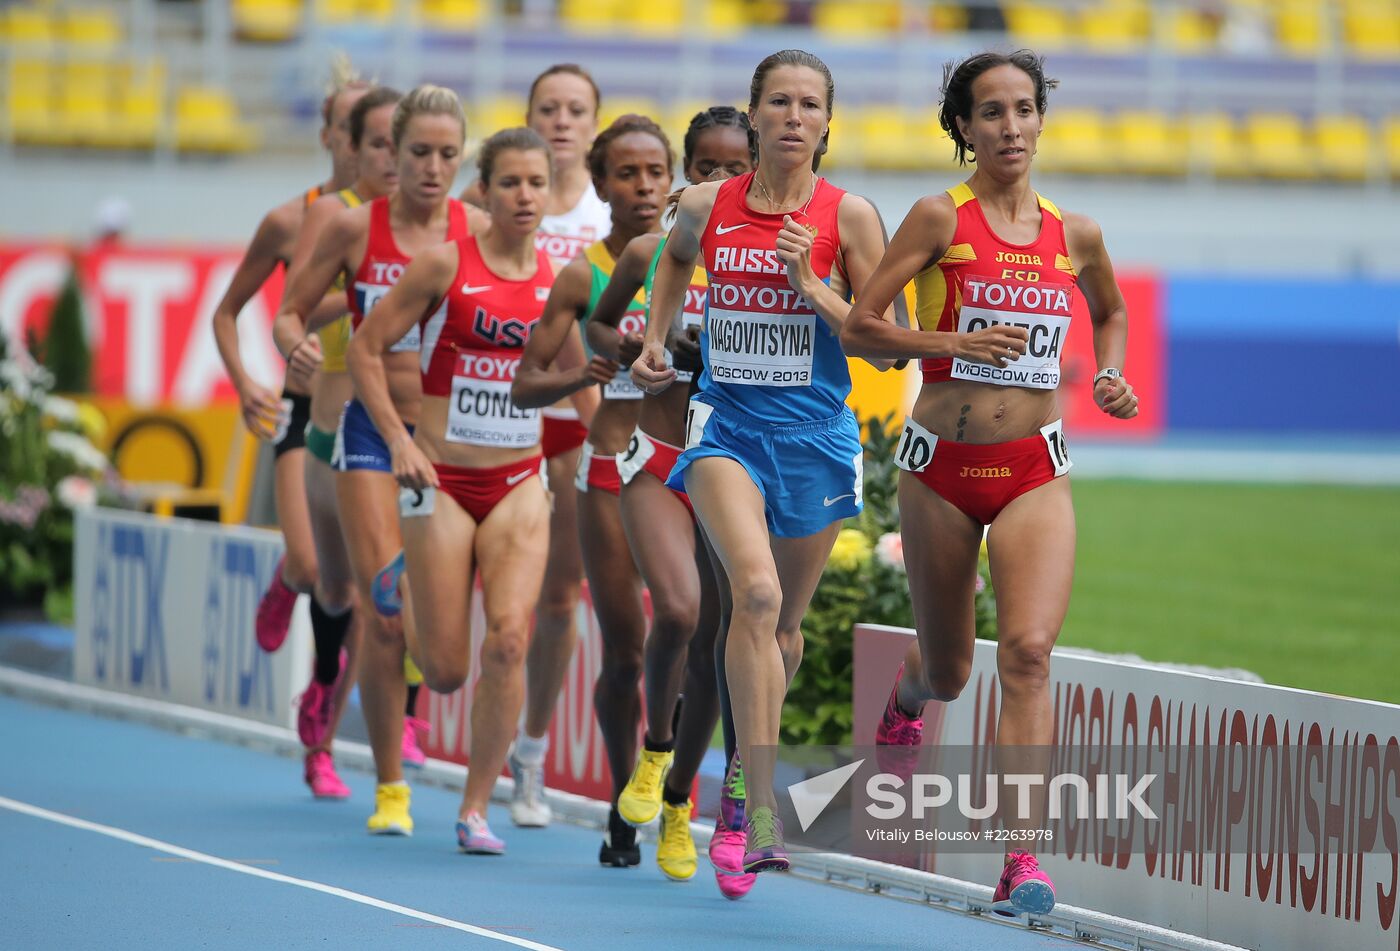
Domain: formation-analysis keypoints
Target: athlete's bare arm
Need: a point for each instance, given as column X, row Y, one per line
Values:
column 921, row 240
column 478, row 220
column 267, row 249
column 417, row 292
column 536, row 384
column 629, row 276
column 307, row 284
column 673, row 275
column 1107, row 312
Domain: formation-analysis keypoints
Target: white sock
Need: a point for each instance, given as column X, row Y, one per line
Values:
column 531, row 750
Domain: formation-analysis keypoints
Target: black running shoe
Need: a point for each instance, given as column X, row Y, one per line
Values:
column 619, row 849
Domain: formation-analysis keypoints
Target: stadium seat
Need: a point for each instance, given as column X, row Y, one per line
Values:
column 266, row 21
column 337, row 12
column 206, row 120
column 1278, row 146
column 1184, row 30
column 1300, row 26
column 856, row 19
column 886, row 140
column 85, row 102
column 1371, row 28
column 1114, row 26
column 614, row 106
column 946, row 17
column 1040, row 26
column 490, row 116
column 30, row 105
column 140, row 105
column 591, row 16
column 1150, row 143
column 724, row 17
column 1344, row 147
column 92, row 29
column 1076, row 140
column 1392, row 145
column 655, row 17
column 30, row 27
column 1215, row 145
column 451, row 16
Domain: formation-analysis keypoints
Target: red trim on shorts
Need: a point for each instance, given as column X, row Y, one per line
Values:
column 602, row 473
column 478, row 491
column 981, row 480
column 559, row 436
column 662, row 461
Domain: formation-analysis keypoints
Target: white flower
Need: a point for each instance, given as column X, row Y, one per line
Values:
column 75, row 492
column 62, row 411
column 890, row 550
column 77, row 448
column 13, row 377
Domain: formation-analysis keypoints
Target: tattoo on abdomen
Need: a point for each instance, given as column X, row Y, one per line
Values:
column 962, row 420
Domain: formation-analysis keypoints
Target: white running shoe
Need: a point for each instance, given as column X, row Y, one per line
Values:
column 528, row 807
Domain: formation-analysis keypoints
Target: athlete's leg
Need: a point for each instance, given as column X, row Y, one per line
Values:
column 511, row 545
column 369, row 509
column 616, row 591
column 556, row 632
column 700, row 707
column 294, row 518
column 333, row 594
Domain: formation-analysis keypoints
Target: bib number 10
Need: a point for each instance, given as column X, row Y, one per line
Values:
column 916, row 445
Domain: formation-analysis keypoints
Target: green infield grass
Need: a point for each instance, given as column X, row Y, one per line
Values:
column 1298, row 583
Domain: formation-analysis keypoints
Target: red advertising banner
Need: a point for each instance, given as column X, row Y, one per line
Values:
column 149, row 313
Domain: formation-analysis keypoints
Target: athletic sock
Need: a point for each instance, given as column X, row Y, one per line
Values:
column 531, row 750
column 654, row 747
column 328, row 632
column 674, row 798
column 410, row 709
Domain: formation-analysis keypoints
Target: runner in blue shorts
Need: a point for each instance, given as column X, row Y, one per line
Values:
column 772, row 459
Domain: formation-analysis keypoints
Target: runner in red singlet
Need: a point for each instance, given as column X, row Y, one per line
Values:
column 472, row 497
column 997, row 268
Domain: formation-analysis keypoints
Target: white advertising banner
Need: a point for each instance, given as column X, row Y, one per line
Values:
column 1289, row 841
column 165, row 608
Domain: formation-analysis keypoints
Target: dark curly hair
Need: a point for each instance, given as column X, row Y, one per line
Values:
column 958, row 77
column 598, row 154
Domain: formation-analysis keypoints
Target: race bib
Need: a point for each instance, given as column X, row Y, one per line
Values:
column 1042, row 309
column 371, row 294
column 621, row 387
column 416, row 503
column 696, row 417
column 1054, row 436
column 761, row 346
column 915, row 449
column 482, row 412
column 640, row 449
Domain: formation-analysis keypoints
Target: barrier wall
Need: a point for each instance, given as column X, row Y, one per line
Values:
column 1220, row 868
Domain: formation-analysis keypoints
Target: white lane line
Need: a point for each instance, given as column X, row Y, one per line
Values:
column 193, row 856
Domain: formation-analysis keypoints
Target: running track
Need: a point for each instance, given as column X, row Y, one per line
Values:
column 185, row 842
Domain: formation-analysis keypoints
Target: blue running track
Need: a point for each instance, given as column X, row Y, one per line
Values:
column 206, row 801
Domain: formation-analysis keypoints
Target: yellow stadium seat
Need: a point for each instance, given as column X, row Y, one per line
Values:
column 1215, row 144
column 354, row 11
column 486, row 118
column 93, row 29
column 206, row 120
column 856, row 19
column 1392, row 145
column 451, row 16
column 30, row 105
column 884, row 138
column 591, row 16
column 140, row 105
column 1150, row 143
column 30, row 27
column 1301, row 27
column 615, row 106
column 1076, row 140
column 655, row 17
column 947, row 17
column 940, row 154
column 1184, row 30
column 85, row 102
column 1114, row 27
column 724, row 17
column 266, row 21
column 1278, row 146
column 1344, row 147
column 1041, row 26
column 1372, row 28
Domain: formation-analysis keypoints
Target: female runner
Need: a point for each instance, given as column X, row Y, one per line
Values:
column 472, row 498
column 772, row 459
column 997, row 268
column 631, row 162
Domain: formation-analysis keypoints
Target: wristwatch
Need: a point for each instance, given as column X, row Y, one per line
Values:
column 1107, row 373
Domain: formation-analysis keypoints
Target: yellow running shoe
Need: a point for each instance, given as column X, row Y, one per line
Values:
column 641, row 799
column 675, row 849
column 391, row 810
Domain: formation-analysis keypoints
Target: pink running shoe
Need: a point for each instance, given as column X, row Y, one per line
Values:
column 898, row 737
column 1024, row 889
column 728, row 843
column 322, row 778
column 275, row 611
column 314, row 709
column 474, row 836
column 413, row 728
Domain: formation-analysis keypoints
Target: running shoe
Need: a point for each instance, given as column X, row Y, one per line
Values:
column 387, row 600
column 619, row 848
column 528, row 807
column 898, row 737
column 474, row 836
column 675, row 847
column 314, row 709
column 764, row 850
column 641, row 797
column 321, row 777
column 391, row 810
column 275, row 611
column 727, row 843
column 1023, row 889
column 413, row 754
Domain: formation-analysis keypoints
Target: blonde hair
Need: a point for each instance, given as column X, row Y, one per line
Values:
column 427, row 100
column 343, row 76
